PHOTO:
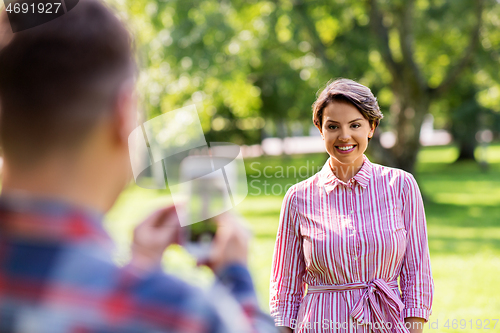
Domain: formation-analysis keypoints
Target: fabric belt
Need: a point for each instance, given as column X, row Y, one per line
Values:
column 376, row 293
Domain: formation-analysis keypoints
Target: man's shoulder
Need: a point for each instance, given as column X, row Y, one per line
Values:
column 167, row 290
column 151, row 298
column 83, row 285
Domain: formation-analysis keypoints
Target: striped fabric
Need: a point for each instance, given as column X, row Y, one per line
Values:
column 370, row 232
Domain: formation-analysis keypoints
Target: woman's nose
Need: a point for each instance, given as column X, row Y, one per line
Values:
column 344, row 136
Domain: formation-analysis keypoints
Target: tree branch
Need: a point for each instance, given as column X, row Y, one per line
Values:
column 318, row 46
column 406, row 41
column 382, row 35
column 467, row 56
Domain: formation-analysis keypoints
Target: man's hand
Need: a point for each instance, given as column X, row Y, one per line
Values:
column 153, row 236
column 230, row 245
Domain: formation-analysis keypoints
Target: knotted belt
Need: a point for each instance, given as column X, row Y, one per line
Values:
column 368, row 308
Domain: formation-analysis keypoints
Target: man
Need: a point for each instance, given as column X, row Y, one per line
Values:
column 67, row 108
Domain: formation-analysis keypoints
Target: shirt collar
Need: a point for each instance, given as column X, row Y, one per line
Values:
column 35, row 218
column 329, row 181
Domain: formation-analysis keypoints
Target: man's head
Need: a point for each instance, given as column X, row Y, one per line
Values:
column 59, row 79
column 60, row 82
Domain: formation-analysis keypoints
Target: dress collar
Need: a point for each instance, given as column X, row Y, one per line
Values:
column 329, row 181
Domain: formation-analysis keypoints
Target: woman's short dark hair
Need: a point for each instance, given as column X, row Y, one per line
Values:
column 346, row 90
column 58, row 79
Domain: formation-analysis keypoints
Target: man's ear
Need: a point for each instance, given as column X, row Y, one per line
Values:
column 124, row 111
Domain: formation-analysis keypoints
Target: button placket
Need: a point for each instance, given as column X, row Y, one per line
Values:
column 353, row 235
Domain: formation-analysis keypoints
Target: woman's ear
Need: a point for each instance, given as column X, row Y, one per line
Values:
column 320, row 129
column 373, row 126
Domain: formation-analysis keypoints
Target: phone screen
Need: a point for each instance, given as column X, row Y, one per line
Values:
column 202, row 232
column 207, row 196
column 199, row 237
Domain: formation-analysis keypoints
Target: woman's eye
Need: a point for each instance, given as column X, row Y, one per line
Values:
column 356, row 125
column 332, row 126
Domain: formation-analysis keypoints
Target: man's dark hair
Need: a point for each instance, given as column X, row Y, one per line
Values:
column 59, row 79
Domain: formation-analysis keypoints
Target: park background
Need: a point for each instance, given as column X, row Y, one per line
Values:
column 253, row 68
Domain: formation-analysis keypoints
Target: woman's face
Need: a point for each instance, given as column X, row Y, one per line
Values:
column 345, row 132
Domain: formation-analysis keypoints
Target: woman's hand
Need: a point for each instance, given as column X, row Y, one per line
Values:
column 416, row 324
column 284, row 329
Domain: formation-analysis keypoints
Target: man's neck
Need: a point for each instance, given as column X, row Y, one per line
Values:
column 62, row 181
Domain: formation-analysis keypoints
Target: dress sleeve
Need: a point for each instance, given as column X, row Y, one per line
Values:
column 416, row 281
column 288, row 268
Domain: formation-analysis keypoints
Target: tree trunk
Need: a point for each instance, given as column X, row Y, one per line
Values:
column 466, row 151
column 409, row 108
column 409, row 121
column 465, row 124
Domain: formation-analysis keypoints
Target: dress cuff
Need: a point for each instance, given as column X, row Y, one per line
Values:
column 417, row 312
column 288, row 322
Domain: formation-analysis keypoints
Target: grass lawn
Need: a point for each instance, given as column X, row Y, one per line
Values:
column 463, row 214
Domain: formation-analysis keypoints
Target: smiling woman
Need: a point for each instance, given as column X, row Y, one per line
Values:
column 350, row 232
column 346, row 113
column 346, row 133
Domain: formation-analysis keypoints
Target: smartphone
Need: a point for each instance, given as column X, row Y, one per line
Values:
column 206, row 196
column 199, row 237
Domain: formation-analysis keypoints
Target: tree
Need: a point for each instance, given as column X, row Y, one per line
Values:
column 202, row 53
column 414, row 49
column 248, row 60
column 412, row 90
column 464, row 116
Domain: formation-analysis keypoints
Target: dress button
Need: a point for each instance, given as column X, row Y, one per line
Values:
column 355, row 258
column 352, row 212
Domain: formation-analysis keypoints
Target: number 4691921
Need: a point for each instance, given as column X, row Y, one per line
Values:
column 41, row 8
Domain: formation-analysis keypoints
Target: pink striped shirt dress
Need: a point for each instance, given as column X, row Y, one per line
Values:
column 352, row 257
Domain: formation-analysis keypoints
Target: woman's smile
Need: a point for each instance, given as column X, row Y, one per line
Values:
column 345, row 149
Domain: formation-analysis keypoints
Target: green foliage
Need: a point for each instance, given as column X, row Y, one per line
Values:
column 245, row 63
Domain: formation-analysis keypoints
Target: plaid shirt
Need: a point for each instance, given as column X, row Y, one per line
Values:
column 57, row 275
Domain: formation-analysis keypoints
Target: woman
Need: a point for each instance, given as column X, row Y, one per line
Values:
column 350, row 231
